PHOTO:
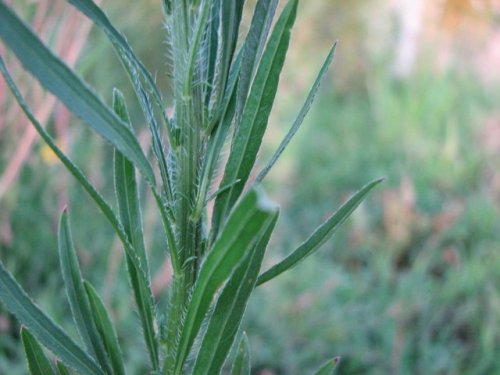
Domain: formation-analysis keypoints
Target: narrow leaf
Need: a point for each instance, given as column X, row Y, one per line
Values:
column 77, row 173
column 169, row 231
column 135, row 70
column 56, row 77
column 48, row 334
column 157, row 142
column 230, row 308
column 77, row 297
column 231, row 12
column 322, row 234
column 194, row 49
column 210, row 48
column 329, row 367
column 38, row 363
column 62, row 370
column 300, row 118
column 241, row 364
column 249, row 132
column 254, row 44
column 129, row 209
column 106, row 329
column 238, row 238
column 175, row 321
column 123, row 48
column 217, row 139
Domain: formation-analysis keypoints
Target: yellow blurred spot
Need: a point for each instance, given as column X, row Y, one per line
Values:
column 48, row 156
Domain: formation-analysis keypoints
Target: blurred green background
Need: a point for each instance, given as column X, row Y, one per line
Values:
column 410, row 285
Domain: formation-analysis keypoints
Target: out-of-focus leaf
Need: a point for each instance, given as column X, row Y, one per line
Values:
column 320, row 235
column 77, row 173
column 77, row 297
column 329, row 367
column 56, row 77
column 47, row 333
column 241, row 363
column 38, row 364
column 106, row 329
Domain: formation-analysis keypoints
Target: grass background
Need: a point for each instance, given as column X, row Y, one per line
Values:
column 410, row 285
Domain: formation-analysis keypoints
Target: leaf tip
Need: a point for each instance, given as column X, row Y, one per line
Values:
column 63, row 220
column 117, row 93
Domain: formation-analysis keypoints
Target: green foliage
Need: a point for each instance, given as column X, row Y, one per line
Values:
column 319, row 236
column 254, row 118
column 77, row 297
column 241, row 363
column 328, row 368
column 230, row 307
column 47, row 332
column 216, row 90
column 38, row 363
column 106, row 329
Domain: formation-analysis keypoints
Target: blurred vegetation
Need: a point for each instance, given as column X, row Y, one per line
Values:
column 411, row 285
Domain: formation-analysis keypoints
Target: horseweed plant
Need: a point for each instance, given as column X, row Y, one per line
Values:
column 220, row 94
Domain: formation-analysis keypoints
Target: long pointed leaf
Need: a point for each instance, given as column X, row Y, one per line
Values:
column 217, row 139
column 157, row 142
column 135, row 70
column 175, row 321
column 329, row 367
column 241, row 364
column 300, row 118
column 41, row 326
column 249, row 132
column 231, row 12
column 210, row 49
column 254, row 44
column 38, row 363
column 230, row 308
column 106, row 329
column 129, row 208
column 56, row 77
column 194, row 48
column 79, row 176
column 127, row 194
column 77, row 297
column 123, row 48
column 320, row 235
column 242, row 231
